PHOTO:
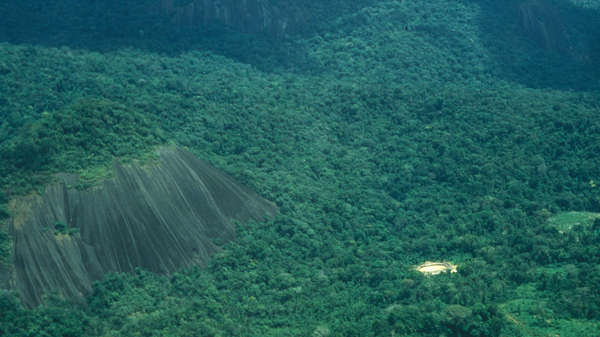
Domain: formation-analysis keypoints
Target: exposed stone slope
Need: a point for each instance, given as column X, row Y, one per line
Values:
column 248, row 15
column 160, row 217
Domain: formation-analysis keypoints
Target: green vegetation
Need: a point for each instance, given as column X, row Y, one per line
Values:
column 62, row 228
column 394, row 136
column 565, row 221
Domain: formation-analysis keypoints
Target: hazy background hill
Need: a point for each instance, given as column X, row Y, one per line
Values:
column 387, row 132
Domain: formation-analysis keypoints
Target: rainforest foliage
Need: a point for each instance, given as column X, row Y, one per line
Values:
column 403, row 131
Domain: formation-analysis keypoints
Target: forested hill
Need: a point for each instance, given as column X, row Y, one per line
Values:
column 393, row 133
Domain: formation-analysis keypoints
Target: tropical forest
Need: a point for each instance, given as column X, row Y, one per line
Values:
column 370, row 168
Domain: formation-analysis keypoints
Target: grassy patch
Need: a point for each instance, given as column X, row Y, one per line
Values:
column 567, row 220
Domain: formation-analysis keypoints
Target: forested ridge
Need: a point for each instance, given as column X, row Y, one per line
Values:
column 401, row 132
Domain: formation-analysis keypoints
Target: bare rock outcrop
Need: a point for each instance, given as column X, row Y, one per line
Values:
column 251, row 16
column 159, row 217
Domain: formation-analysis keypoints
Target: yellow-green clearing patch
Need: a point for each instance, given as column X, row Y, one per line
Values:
column 567, row 220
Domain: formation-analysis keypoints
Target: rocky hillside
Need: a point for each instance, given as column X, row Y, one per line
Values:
column 161, row 217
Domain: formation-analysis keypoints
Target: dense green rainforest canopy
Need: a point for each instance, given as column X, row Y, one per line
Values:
column 391, row 133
